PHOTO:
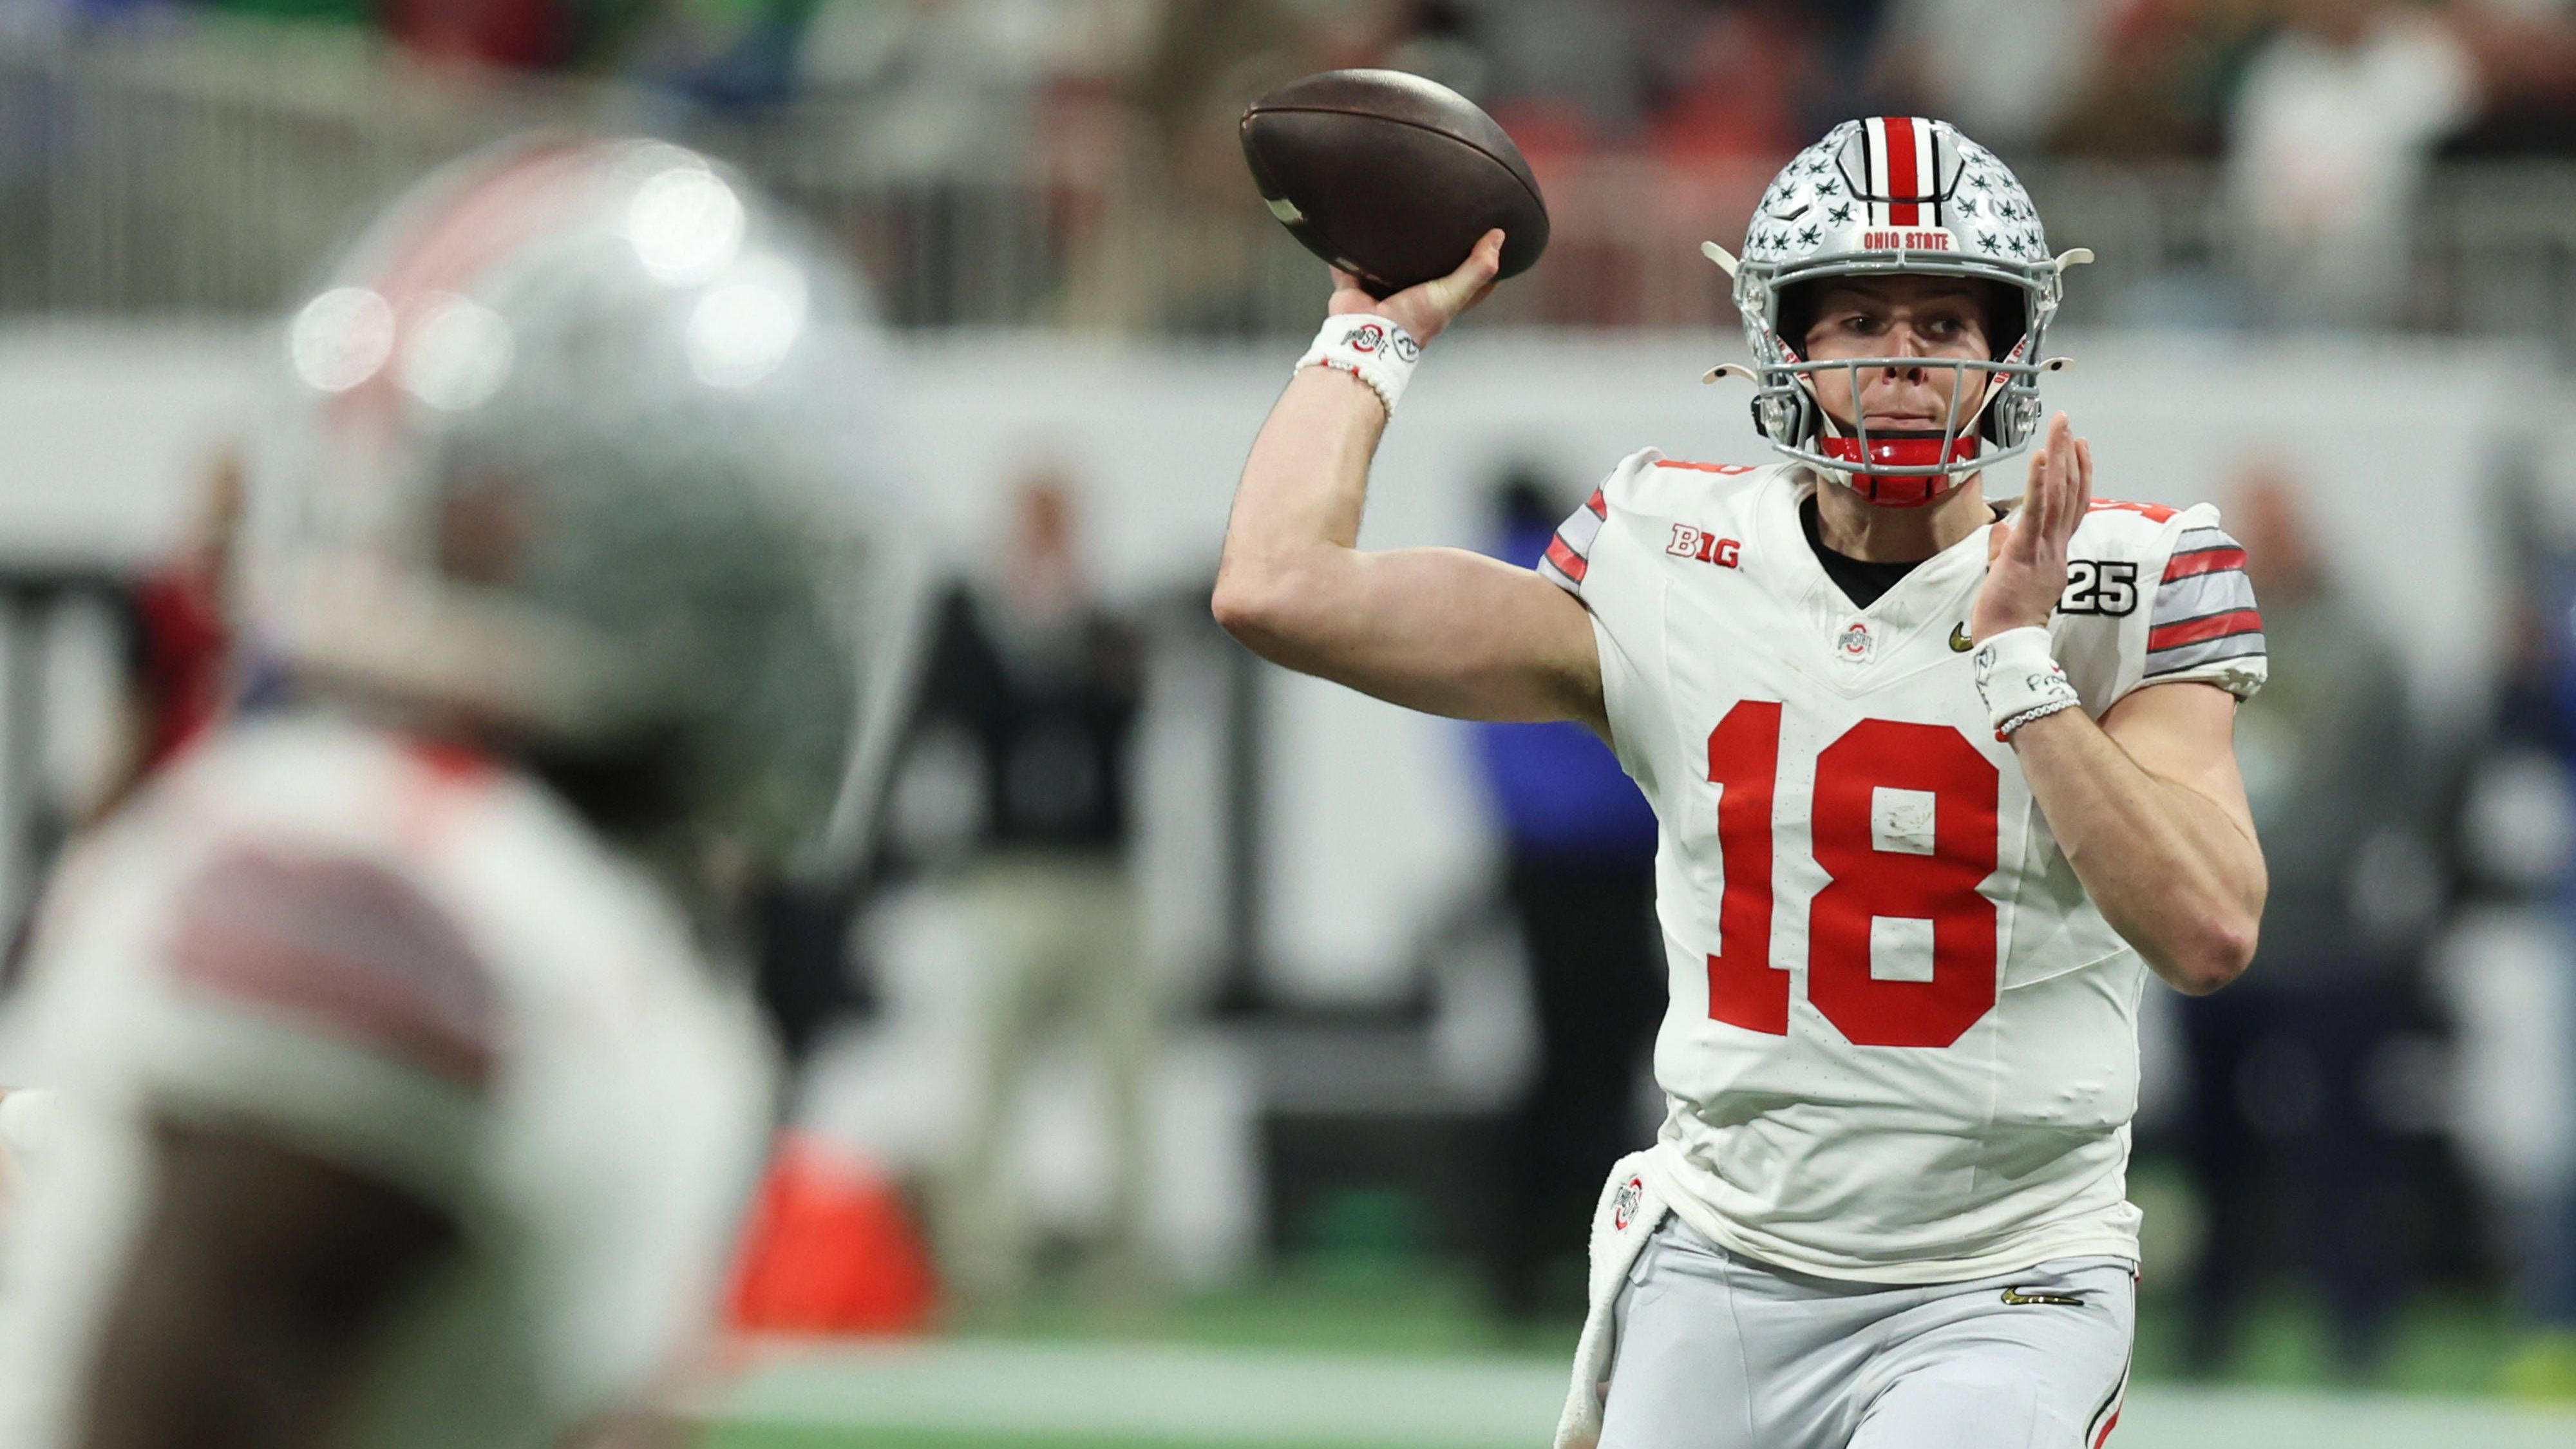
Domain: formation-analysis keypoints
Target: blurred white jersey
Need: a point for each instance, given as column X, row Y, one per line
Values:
column 425, row 969
column 1902, row 1044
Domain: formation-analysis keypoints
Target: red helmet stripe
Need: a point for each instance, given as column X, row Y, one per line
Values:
column 446, row 248
column 1873, row 165
column 1903, row 175
column 493, row 215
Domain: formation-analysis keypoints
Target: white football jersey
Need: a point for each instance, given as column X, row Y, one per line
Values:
column 1902, row 1042
column 425, row 969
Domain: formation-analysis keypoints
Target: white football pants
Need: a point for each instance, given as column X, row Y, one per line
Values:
column 1716, row 1351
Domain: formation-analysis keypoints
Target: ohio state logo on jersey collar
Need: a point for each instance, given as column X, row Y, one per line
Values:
column 1856, row 642
column 1623, row 1206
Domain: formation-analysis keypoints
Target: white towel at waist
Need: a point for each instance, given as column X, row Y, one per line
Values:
column 1630, row 1210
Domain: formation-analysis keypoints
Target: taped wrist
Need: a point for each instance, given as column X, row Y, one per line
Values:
column 1373, row 349
column 2019, row 681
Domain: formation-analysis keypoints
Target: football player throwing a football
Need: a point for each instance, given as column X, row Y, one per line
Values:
column 400, row 1095
column 1939, row 785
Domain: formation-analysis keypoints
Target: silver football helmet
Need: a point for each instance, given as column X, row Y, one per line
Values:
column 1897, row 194
column 571, row 453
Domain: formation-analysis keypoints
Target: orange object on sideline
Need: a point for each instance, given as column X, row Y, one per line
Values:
column 829, row 1249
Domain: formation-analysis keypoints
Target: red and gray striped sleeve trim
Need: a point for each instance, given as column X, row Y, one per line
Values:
column 1569, row 554
column 2204, row 611
column 340, row 948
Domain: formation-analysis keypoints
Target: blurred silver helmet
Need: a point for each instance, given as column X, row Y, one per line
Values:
column 571, row 454
column 1897, row 194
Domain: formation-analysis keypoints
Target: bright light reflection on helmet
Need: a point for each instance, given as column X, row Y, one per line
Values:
column 459, row 354
column 686, row 225
column 744, row 327
column 341, row 338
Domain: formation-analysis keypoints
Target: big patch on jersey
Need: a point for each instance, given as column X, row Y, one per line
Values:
column 343, row 947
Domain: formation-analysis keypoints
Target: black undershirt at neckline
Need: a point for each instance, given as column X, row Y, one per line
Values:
column 1861, row 580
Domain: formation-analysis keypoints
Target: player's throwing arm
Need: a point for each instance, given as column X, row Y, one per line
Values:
column 1437, row 629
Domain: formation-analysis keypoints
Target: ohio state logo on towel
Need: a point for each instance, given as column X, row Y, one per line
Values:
column 1623, row 1207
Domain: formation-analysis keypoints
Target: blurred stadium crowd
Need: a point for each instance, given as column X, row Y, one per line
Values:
column 2386, row 1106
column 1015, row 161
column 1689, row 80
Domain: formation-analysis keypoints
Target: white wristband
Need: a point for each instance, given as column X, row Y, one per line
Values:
column 2019, row 681
column 1373, row 349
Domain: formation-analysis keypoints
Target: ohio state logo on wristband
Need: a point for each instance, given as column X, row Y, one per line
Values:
column 2019, row 680
column 1388, row 340
column 1376, row 350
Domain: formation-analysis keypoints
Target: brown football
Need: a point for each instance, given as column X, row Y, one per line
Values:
column 1391, row 177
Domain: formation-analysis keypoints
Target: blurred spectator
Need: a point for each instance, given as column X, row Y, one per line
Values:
column 2330, row 139
column 1579, row 875
column 1436, row 39
column 2526, row 50
column 1843, row 39
column 802, row 973
column 2508, row 970
column 181, row 634
column 519, row 34
column 1182, row 240
column 1756, row 79
column 2280, row 1110
column 938, row 85
column 729, row 55
column 1033, row 686
column 342, row 12
column 1179, row 238
column 2004, row 71
column 2164, row 75
column 52, row 18
column 1734, row 85
column 1565, row 75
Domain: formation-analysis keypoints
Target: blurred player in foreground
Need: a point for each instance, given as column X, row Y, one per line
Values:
column 1925, row 824
column 403, row 1096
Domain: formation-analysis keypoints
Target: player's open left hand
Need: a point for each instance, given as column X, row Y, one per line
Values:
column 2026, row 552
column 1427, row 309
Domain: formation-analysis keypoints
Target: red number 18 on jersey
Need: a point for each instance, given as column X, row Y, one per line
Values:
column 1864, row 881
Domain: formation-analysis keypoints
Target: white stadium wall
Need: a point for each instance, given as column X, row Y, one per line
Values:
column 1374, row 824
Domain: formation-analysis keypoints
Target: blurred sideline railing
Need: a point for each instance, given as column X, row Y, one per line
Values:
column 213, row 169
